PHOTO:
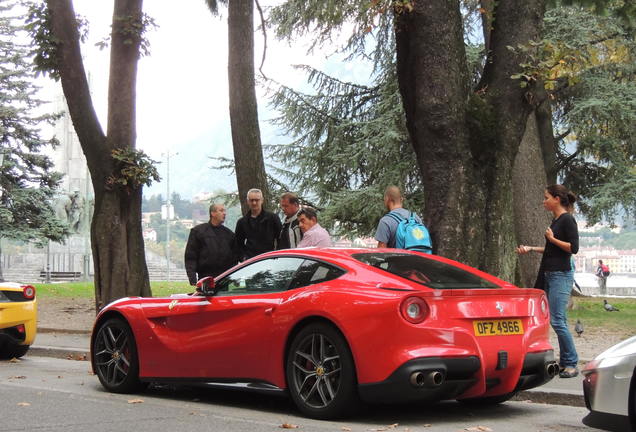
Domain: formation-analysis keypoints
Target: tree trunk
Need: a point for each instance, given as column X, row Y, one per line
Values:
column 117, row 242
column 246, row 135
column 529, row 182
column 466, row 144
column 434, row 90
column 1, row 274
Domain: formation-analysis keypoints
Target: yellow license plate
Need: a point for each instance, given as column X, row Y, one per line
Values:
column 498, row 327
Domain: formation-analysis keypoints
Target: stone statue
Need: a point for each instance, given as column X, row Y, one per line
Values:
column 69, row 208
column 74, row 208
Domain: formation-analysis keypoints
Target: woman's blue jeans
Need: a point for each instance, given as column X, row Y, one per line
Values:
column 558, row 285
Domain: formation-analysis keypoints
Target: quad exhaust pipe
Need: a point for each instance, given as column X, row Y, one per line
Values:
column 552, row 369
column 427, row 379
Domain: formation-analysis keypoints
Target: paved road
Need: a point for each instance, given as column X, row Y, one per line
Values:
column 50, row 394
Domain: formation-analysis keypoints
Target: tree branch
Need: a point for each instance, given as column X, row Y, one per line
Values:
column 567, row 160
column 75, row 83
column 563, row 135
column 260, row 12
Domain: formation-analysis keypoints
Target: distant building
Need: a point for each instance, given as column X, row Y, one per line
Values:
column 150, row 234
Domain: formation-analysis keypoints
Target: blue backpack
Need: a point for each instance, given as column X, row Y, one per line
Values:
column 411, row 234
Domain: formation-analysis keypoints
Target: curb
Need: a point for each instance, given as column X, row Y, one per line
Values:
column 59, row 352
column 67, row 331
column 561, row 397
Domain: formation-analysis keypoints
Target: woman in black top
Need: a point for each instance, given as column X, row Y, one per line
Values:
column 556, row 275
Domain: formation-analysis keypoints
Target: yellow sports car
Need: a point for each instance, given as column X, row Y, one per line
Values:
column 18, row 316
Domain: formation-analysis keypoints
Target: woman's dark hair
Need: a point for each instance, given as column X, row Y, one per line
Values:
column 566, row 198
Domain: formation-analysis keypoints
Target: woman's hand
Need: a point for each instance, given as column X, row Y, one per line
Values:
column 549, row 235
column 522, row 249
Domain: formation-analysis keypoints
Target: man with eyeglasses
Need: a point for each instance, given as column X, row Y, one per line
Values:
column 256, row 232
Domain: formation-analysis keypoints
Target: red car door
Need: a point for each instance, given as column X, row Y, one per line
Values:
column 228, row 336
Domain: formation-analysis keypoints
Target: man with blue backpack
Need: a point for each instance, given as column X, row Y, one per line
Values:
column 400, row 228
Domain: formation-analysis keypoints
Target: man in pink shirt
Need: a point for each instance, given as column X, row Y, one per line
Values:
column 313, row 233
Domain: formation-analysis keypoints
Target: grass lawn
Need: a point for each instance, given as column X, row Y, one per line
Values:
column 87, row 290
column 591, row 312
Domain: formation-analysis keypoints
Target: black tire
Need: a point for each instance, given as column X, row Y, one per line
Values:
column 13, row 351
column 489, row 400
column 321, row 375
column 115, row 357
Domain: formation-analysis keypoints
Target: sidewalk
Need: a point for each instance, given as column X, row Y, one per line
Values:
column 76, row 346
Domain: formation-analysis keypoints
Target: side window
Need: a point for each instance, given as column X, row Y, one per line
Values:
column 313, row 272
column 269, row 275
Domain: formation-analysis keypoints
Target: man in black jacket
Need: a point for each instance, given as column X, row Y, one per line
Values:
column 210, row 249
column 257, row 231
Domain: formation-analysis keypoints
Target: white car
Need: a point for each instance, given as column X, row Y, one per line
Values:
column 610, row 381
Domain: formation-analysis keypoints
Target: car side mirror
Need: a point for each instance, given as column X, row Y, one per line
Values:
column 206, row 286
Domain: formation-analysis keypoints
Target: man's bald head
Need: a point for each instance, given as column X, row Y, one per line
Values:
column 393, row 197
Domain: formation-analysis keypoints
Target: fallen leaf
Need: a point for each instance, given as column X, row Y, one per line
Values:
column 15, row 360
column 24, row 404
column 135, row 401
column 427, row 425
column 17, row 377
column 393, row 426
column 346, row 429
column 288, row 426
column 60, row 376
column 479, row 429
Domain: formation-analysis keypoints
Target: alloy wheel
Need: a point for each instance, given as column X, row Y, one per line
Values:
column 113, row 354
column 316, row 370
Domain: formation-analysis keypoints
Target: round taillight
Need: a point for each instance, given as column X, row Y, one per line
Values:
column 414, row 310
column 28, row 291
column 544, row 306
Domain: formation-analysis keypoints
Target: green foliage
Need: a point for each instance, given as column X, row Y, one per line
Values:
column 177, row 230
column 45, row 52
column 133, row 28
column 213, row 5
column 625, row 241
column 371, row 35
column 27, row 179
column 350, row 143
column 594, row 101
column 152, row 204
column 133, row 169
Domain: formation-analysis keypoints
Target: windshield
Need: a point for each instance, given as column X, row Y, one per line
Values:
column 428, row 272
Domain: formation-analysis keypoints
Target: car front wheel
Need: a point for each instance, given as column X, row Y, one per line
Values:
column 115, row 357
column 321, row 373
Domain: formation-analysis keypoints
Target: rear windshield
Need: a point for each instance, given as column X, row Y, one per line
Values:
column 428, row 272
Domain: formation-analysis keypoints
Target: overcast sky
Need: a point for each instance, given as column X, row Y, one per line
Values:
column 182, row 87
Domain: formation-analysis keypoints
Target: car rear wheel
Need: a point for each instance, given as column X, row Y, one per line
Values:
column 489, row 400
column 320, row 372
column 13, row 351
column 115, row 357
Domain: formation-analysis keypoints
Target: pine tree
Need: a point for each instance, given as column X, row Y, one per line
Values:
column 27, row 179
